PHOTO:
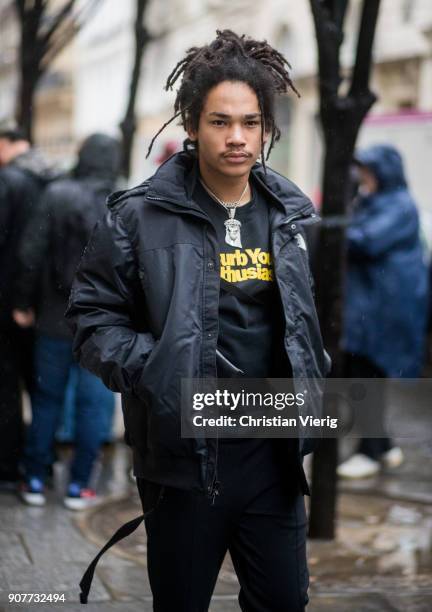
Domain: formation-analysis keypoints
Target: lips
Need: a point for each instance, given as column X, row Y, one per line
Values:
column 237, row 157
column 233, row 154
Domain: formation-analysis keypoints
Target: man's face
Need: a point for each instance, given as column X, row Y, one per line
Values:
column 229, row 130
column 4, row 151
column 10, row 149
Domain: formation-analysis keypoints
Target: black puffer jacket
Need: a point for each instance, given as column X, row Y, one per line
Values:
column 144, row 309
column 56, row 235
column 22, row 182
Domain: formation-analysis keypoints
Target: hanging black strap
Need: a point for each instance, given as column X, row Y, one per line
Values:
column 123, row 532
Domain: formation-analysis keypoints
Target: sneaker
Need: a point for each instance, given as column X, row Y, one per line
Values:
column 32, row 492
column 79, row 498
column 358, row 466
column 393, row 458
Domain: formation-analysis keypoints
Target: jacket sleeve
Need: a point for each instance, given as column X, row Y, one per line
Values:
column 106, row 310
column 374, row 235
column 32, row 254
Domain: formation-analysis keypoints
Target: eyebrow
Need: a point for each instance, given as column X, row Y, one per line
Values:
column 225, row 116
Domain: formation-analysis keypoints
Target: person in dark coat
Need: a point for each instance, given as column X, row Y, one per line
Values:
column 50, row 250
column 386, row 297
column 23, row 176
column 202, row 272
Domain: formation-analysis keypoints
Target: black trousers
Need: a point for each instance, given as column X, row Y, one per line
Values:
column 357, row 366
column 15, row 370
column 259, row 517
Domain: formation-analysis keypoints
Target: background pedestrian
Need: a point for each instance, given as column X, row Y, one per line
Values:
column 49, row 255
column 386, row 298
column 23, row 176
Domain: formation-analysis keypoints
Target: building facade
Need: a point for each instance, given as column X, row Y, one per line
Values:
column 87, row 87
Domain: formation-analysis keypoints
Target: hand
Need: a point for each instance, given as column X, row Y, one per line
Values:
column 24, row 318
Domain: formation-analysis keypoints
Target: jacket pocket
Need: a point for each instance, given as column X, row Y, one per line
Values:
column 146, row 374
column 225, row 368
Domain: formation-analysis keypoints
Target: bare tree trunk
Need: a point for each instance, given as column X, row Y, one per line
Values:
column 42, row 38
column 341, row 118
column 128, row 125
column 24, row 116
column 29, row 62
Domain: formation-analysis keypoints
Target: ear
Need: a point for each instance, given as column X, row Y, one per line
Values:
column 267, row 133
column 266, row 136
column 192, row 134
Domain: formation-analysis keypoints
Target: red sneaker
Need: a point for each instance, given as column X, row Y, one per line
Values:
column 79, row 498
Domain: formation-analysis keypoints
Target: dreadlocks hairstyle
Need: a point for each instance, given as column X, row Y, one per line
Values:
column 229, row 58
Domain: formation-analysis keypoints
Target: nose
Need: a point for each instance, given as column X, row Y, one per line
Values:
column 235, row 136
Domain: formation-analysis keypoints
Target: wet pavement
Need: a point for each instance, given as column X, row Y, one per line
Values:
column 381, row 559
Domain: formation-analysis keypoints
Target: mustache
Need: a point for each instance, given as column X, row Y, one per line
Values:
column 237, row 153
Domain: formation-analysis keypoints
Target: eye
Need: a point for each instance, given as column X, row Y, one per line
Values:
column 218, row 122
column 253, row 122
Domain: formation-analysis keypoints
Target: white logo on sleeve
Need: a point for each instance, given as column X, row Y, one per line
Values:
column 301, row 242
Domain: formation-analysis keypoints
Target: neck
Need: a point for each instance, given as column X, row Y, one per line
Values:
column 227, row 188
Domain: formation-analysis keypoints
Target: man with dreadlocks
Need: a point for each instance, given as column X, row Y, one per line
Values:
column 202, row 271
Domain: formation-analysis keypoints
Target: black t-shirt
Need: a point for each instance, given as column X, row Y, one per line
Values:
column 251, row 327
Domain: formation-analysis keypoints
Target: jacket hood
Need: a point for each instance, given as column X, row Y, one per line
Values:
column 385, row 162
column 175, row 180
column 99, row 157
column 33, row 162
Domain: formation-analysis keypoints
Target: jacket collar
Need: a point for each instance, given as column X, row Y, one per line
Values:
column 174, row 182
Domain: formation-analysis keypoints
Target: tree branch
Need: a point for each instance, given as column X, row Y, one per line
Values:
column 30, row 18
column 338, row 9
column 328, row 19
column 43, row 35
column 57, row 22
column 141, row 39
column 128, row 124
column 66, row 31
column 58, row 44
column 20, row 8
column 363, row 61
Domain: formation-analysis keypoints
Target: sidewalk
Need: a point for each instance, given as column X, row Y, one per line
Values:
column 381, row 559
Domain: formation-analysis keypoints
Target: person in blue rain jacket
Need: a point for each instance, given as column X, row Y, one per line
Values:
column 386, row 298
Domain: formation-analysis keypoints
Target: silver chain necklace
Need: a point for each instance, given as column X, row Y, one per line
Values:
column 232, row 225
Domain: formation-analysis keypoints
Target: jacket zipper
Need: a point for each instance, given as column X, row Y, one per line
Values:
column 214, row 489
column 215, row 486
